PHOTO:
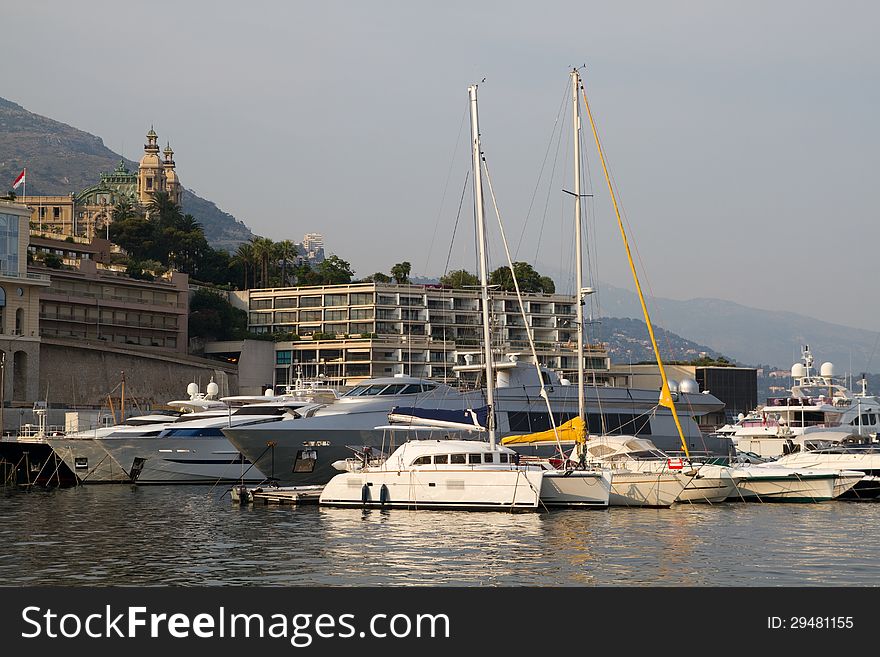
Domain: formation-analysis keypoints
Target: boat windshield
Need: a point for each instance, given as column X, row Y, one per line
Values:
column 371, row 390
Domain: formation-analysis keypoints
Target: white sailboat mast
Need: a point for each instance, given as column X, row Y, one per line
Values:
column 484, row 267
column 579, row 299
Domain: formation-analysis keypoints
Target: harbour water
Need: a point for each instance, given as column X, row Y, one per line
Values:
column 194, row 535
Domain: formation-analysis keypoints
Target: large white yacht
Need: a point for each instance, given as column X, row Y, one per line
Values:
column 189, row 448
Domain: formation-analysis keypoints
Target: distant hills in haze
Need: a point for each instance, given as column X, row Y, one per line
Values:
column 752, row 336
column 61, row 159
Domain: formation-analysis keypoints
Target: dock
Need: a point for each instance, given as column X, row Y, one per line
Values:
column 269, row 494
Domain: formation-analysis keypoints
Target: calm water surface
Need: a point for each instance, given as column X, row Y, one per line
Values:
column 195, row 535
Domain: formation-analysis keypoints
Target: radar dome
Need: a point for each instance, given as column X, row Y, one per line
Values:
column 270, row 392
column 212, row 389
column 192, row 389
column 798, row 371
column 689, row 386
column 827, row 369
column 564, row 382
column 673, row 385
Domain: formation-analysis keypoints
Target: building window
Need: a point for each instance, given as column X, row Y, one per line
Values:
column 361, row 298
column 261, row 304
column 8, row 243
column 149, row 183
column 310, row 302
column 310, row 315
column 361, row 313
column 282, row 358
column 335, row 299
column 56, row 212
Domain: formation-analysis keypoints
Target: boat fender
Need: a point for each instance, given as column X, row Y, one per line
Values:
column 383, row 495
column 365, row 494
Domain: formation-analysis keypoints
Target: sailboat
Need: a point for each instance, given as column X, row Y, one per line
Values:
column 762, row 482
column 448, row 473
column 629, row 487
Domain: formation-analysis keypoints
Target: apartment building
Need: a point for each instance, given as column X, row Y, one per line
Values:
column 348, row 333
column 88, row 303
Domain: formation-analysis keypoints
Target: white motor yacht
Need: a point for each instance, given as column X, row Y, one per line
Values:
column 816, row 404
column 771, row 482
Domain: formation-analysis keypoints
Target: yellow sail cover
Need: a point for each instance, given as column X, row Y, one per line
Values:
column 572, row 431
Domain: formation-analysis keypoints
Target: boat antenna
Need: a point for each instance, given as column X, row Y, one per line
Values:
column 665, row 394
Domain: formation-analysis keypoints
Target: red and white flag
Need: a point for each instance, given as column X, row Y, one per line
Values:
column 19, row 180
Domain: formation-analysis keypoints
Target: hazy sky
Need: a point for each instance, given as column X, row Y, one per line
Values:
column 742, row 135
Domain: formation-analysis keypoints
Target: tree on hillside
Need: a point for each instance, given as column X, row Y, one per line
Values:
column 400, row 272
column 459, row 278
column 529, row 280
column 135, row 234
column 212, row 317
column 333, row 271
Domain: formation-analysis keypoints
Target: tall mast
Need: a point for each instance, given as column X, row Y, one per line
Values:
column 484, row 266
column 579, row 300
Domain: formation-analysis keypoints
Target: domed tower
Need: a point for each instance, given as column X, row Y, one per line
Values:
column 151, row 174
column 172, row 183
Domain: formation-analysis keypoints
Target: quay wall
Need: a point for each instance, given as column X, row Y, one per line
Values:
column 81, row 376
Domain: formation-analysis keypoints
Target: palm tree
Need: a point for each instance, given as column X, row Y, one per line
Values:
column 400, row 272
column 263, row 248
column 285, row 251
column 123, row 210
column 244, row 255
column 161, row 205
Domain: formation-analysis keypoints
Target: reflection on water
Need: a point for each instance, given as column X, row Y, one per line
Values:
column 190, row 535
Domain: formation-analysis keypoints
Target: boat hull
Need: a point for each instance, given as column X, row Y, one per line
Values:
column 90, row 461
column 644, row 489
column 711, row 484
column 576, row 488
column 495, row 490
column 201, row 460
column 794, row 487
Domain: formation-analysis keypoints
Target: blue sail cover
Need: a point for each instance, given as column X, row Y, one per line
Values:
column 472, row 419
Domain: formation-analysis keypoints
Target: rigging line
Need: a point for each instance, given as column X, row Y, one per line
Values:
column 522, row 308
column 549, row 193
column 445, row 189
column 665, row 394
column 455, row 227
column 541, row 172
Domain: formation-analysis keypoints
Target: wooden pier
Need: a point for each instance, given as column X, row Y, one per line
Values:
column 268, row 494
